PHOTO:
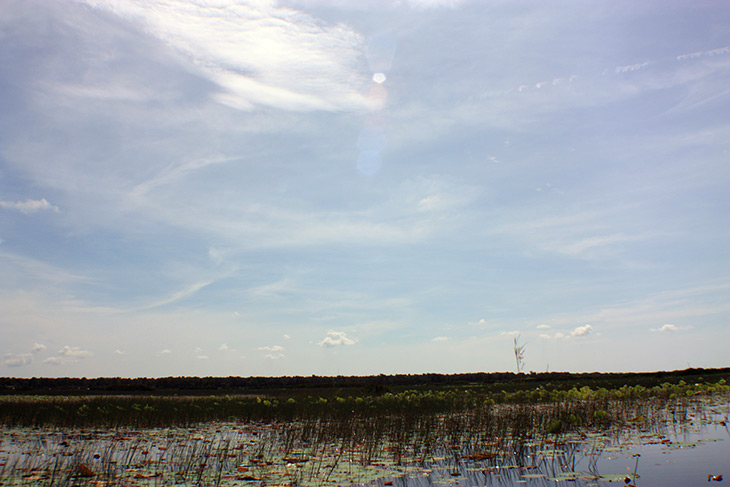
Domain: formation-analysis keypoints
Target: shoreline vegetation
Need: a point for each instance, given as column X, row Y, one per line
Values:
column 492, row 381
column 116, row 402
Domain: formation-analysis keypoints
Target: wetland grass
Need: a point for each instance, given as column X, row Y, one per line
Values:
column 336, row 440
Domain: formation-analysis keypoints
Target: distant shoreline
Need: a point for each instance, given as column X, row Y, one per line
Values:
column 374, row 383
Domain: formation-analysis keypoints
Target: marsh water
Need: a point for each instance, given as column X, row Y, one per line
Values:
column 683, row 447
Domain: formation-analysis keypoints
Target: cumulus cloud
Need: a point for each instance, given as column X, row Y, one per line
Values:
column 68, row 355
column 29, row 206
column 481, row 322
column 38, row 347
column 581, row 331
column 164, row 352
column 543, row 327
column 274, row 352
column 335, row 339
column 666, row 328
column 440, row 339
column 509, row 333
column 17, row 359
column 201, row 357
column 74, row 352
column 223, row 348
column 118, row 352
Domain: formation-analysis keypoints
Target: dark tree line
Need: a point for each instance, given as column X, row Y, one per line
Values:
column 374, row 384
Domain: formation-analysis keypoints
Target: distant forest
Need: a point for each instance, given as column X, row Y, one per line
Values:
column 374, row 384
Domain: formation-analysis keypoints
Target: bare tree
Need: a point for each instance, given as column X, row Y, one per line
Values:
column 519, row 354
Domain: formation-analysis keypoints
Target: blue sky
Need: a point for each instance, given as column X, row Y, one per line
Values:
column 319, row 187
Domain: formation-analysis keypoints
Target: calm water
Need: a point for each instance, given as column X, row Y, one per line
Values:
column 671, row 453
column 679, row 449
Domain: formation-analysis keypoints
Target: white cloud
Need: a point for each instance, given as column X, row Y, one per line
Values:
column 543, row 327
column 67, row 355
column 666, row 328
column 74, row 353
column 434, row 4
column 29, row 206
column 586, row 235
column 17, row 359
column 39, row 271
column 118, row 352
column 183, row 293
column 223, row 348
column 260, row 54
column 286, row 337
column 509, row 333
column 38, row 347
column 582, row 331
column 335, row 339
column 201, row 357
column 556, row 336
column 440, row 339
column 274, row 352
column 631, row 67
column 164, row 352
column 481, row 322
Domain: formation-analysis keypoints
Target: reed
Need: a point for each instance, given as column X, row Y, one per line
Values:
column 202, row 440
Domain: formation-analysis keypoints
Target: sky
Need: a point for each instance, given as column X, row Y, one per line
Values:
column 263, row 188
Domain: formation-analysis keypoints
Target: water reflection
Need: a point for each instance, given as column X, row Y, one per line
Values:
column 675, row 450
column 679, row 446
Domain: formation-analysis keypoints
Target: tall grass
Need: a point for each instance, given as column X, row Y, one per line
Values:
column 411, row 408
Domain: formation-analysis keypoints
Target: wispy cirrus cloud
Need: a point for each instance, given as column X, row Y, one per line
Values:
column 181, row 294
column 259, row 54
column 29, row 206
column 583, row 235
